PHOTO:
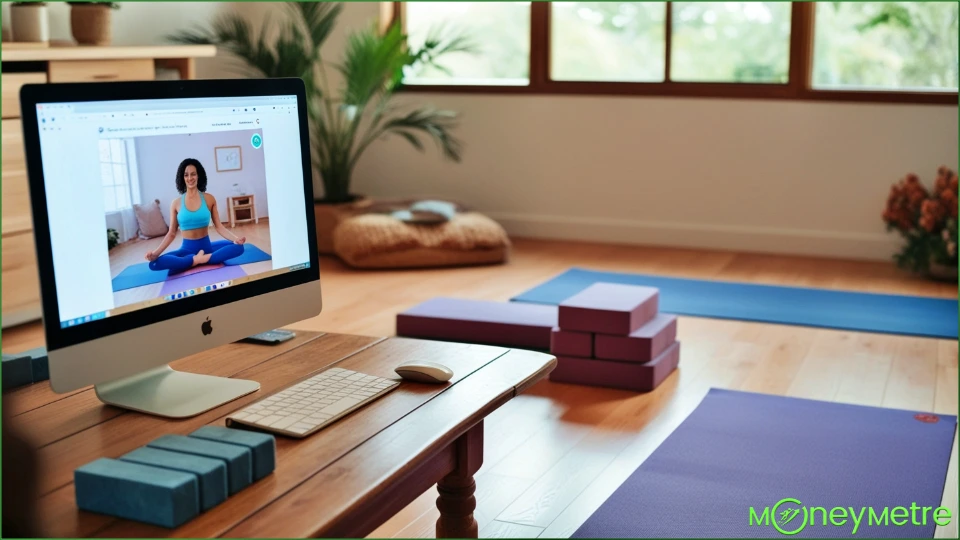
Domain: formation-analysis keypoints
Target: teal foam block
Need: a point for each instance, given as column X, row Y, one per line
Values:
column 239, row 460
column 138, row 492
column 262, row 445
column 16, row 371
column 211, row 473
column 38, row 363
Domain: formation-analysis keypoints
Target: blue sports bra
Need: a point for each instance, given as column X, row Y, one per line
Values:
column 197, row 219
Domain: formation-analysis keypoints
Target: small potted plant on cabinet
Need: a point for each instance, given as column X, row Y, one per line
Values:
column 90, row 22
column 28, row 21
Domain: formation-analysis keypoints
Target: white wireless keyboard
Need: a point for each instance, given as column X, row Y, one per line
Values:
column 313, row 403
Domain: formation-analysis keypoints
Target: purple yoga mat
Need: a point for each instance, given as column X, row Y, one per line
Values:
column 738, row 450
column 201, row 279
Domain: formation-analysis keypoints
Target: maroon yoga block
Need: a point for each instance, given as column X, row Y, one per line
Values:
column 609, row 308
column 644, row 344
column 566, row 343
column 613, row 374
column 510, row 324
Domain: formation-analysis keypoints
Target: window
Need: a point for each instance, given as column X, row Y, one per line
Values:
column 499, row 30
column 842, row 51
column 607, row 41
column 886, row 45
column 119, row 191
column 730, row 42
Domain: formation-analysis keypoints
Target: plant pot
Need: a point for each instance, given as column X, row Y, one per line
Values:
column 90, row 24
column 942, row 272
column 29, row 23
column 330, row 215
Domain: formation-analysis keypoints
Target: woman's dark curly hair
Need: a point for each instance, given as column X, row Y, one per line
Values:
column 201, row 175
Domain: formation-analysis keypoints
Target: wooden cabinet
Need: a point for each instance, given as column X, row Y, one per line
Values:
column 20, row 294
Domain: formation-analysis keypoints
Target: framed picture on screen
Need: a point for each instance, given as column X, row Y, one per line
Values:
column 228, row 158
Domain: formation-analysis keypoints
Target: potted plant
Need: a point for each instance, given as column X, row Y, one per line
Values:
column 113, row 238
column 90, row 22
column 928, row 222
column 344, row 121
column 28, row 22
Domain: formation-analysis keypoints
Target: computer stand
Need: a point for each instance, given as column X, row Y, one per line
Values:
column 173, row 394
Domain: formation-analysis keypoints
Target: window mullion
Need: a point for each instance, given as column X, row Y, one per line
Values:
column 539, row 44
column 801, row 47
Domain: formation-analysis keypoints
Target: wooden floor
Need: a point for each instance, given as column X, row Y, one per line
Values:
column 132, row 252
column 556, row 453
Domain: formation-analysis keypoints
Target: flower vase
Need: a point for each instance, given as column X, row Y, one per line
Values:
column 942, row 272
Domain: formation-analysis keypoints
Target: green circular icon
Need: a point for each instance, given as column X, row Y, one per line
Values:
column 256, row 140
column 788, row 516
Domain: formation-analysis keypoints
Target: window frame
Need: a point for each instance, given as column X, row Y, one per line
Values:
column 798, row 87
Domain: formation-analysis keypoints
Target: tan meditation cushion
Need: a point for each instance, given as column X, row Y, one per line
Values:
column 381, row 241
column 150, row 219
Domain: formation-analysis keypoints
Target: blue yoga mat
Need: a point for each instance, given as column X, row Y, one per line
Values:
column 884, row 313
column 739, row 450
column 138, row 275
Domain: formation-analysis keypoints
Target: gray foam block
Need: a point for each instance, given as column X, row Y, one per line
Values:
column 262, row 445
column 16, row 371
column 239, row 460
column 211, row 473
column 138, row 492
column 38, row 363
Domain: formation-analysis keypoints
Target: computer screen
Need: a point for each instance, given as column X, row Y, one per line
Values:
column 152, row 201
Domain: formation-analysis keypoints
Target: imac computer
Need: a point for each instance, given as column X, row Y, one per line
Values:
column 170, row 217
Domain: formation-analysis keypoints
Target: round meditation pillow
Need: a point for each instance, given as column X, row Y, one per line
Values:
column 382, row 241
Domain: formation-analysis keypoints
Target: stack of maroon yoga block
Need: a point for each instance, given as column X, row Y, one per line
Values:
column 614, row 336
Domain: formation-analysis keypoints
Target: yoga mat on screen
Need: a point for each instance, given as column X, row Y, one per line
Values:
column 251, row 254
column 138, row 275
column 738, row 450
column 201, row 279
column 883, row 313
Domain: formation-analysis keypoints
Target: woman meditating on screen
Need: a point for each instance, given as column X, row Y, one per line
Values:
column 191, row 212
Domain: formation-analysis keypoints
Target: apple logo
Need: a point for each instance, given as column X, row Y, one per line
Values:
column 207, row 327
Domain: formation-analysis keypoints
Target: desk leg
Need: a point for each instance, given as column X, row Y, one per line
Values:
column 456, row 501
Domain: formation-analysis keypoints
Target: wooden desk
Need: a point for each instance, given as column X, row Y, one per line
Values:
column 343, row 481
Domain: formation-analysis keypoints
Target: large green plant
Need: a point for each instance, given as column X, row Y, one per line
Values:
column 347, row 121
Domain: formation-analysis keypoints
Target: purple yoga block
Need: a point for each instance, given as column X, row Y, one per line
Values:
column 609, row 308
column 510, row 324
column 643, row 345
column 613, row 374
column 567, row 343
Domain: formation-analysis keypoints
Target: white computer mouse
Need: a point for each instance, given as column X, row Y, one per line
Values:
column 425, row 372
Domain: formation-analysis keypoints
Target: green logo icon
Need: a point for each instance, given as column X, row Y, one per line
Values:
column 256, row 140
column 782, row 518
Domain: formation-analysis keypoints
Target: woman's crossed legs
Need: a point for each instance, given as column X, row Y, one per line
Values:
column 196, row 252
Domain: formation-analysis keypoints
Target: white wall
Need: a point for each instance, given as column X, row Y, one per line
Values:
column 158, row 158
column 790, row 177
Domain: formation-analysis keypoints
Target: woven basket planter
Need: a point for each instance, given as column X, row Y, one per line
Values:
column 90, row 24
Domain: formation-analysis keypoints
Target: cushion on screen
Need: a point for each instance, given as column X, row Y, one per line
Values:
column 150, row 219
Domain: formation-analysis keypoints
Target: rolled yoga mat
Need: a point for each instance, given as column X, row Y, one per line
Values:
column 138, row 275
column 883, row 313
column 739, row 450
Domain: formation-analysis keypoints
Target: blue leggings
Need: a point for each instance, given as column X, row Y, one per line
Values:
column 182, row 259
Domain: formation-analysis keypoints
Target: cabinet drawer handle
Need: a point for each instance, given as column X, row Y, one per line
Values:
column 106, row 76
